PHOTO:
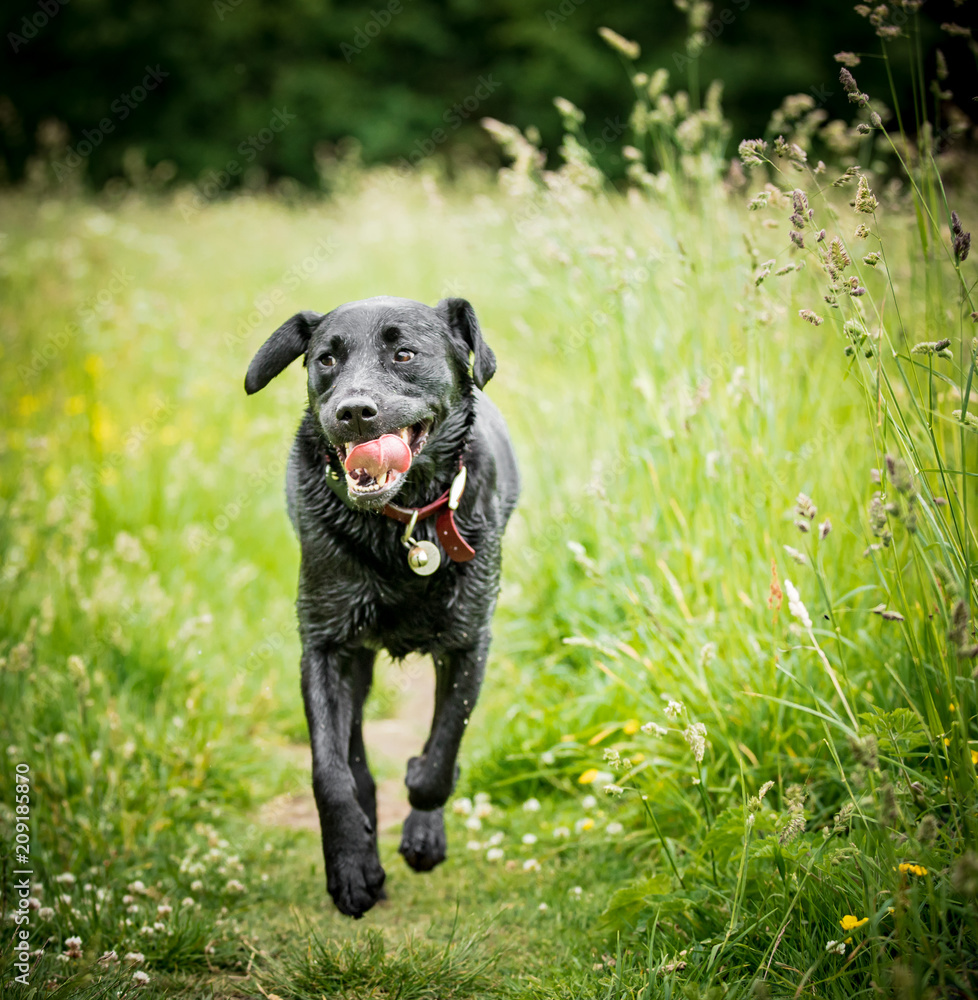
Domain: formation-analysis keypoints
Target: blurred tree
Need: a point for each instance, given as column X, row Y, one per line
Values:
column 232, row 89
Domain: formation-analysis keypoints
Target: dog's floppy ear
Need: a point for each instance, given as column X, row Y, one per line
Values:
column 282, row 348
column 460, row 316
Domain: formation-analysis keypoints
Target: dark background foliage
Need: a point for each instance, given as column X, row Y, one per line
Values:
column 391, row 74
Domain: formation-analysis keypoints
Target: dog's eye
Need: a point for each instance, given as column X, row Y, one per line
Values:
column 326, row 360
column 403, row 355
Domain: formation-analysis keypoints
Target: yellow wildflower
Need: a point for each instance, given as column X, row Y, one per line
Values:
column 974, row 756
column 912, row 869
column 630, row 727
column 588, row 776
column 850, row 922
column 27, row 405
column 75, row 405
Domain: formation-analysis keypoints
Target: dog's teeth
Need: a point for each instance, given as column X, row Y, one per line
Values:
column 405, row 434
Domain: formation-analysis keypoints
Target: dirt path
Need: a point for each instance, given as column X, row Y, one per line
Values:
column 390, row 742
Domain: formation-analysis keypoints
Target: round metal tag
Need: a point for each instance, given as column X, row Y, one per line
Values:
column 424, row 558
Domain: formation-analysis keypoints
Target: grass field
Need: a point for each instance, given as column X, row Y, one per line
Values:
column 737, row 591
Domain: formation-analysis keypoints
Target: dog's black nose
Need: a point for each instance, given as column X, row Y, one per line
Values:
column 356, row 415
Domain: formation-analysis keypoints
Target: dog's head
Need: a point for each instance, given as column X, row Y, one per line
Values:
column 388, row 385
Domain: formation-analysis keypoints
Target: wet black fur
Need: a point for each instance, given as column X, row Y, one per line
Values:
column 356, row 592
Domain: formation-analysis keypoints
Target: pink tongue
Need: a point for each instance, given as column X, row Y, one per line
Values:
column 378, row 456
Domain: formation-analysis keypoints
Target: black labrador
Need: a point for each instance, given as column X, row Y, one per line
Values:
column 395, row 413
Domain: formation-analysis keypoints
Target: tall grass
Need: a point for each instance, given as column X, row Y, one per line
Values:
column 738, row 589
column 806, row 765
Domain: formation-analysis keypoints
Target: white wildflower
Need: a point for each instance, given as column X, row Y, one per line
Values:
column 136, row 957
column 614, row 828
column 473, row 823
column 836, row 947
column 588, row 802
column 140, row 978
column 529, row 838
column 494, row 854
column 674, row 709
column 462, row 807
column 561, row 831
column 531, row 805
column 613, row 789
column 531, row 865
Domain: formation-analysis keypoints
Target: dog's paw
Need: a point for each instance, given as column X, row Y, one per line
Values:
column 355, row 881
column 423, row 839
column 428, row 790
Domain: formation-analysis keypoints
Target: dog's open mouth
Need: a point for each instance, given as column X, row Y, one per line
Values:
column 376, row 465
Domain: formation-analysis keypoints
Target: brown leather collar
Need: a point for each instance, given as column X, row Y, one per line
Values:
column 453, row 543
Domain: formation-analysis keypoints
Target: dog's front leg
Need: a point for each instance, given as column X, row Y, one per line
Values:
column 332, row 686
column 431, row 777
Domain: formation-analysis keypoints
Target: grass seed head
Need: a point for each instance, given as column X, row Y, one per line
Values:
column 629, row 49
column 752, row 151
column 865, row 200
column 852, row 89
column 927, row 830
column 962, row 240
column 838, row 253
column 964, row 875
column 898, row 473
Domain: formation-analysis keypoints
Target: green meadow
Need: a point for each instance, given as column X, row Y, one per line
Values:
column 727, row 743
